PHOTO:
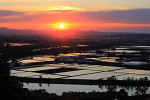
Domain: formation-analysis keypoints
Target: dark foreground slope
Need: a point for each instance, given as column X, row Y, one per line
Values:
column 11, row 89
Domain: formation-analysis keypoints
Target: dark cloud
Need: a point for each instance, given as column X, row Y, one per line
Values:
column 9, row 13
column 9, row 16
column 135, row 16
column 141, row 16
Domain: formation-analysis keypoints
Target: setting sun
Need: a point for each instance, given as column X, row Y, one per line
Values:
column 61, row 26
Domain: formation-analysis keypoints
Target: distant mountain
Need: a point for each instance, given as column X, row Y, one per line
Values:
column 8, row 31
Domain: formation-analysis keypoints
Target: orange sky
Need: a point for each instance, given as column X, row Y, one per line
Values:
column 71, row 22
column 73, row 17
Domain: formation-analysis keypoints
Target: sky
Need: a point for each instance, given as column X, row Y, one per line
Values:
column 101, row 15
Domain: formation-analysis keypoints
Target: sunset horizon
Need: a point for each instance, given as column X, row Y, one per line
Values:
column 75, row 49
column 106, row 16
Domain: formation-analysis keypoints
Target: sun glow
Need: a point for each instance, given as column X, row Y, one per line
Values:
column 61, row 26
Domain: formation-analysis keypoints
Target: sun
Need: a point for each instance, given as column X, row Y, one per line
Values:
column 61, row 26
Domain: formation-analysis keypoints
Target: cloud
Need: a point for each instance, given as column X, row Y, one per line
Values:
column 140, row 16
column 9, row 16
column 9, row 13
column 61, row 11
column 135, row 16
column 65, row 8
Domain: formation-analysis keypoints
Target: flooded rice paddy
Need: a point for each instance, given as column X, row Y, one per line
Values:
column 81, row 71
